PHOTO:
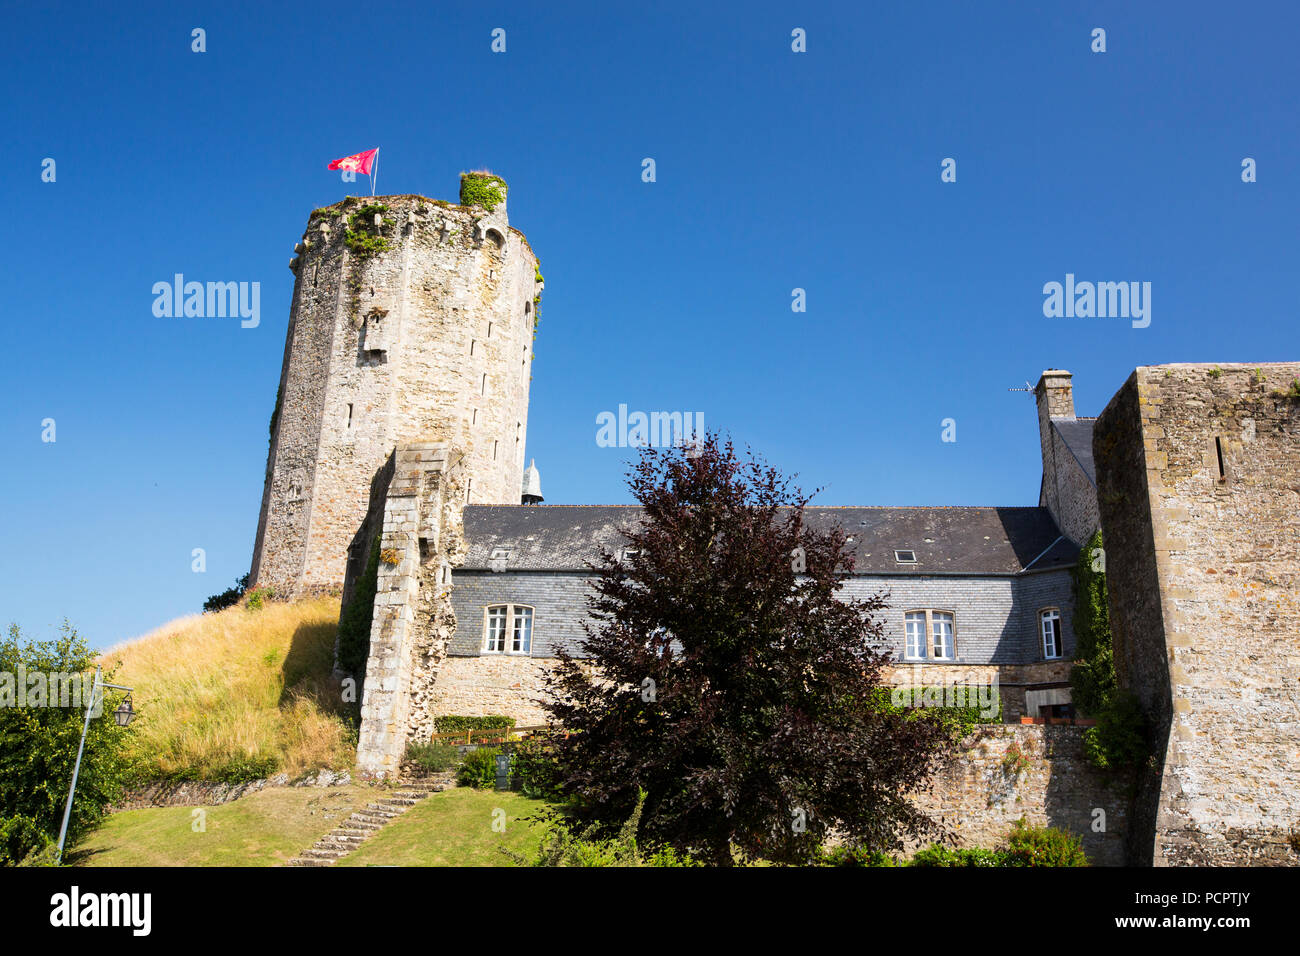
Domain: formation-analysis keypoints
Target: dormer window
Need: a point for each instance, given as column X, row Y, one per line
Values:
column 498, row 559
column 905, row 557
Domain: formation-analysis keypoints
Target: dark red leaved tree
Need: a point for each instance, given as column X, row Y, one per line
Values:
column 740, row 691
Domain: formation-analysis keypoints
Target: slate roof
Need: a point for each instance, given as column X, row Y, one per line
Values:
column 1077, row 435
column 946, row 540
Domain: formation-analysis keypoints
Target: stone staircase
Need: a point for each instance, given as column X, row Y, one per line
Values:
column 369, row 820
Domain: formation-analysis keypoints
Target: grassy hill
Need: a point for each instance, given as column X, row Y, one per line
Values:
column 238, row 694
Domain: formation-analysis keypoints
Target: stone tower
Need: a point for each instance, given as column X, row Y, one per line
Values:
column 412, row 321
column 1198, row 469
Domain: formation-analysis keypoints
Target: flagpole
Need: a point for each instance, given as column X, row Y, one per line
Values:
column 374, row 172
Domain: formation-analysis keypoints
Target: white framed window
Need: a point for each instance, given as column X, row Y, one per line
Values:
column 521, row 641
column 941, row 631
column 929, row 635
column 915, row 635
column 494, row 641
column 1049, row 625
column 508, row 629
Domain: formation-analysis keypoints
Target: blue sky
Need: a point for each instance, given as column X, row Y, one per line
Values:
column 775, row 170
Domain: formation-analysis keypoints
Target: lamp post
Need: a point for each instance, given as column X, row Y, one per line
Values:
column 122, row 715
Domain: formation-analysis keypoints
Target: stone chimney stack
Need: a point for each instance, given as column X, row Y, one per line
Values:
column 1055, row 396
column 1069, row 490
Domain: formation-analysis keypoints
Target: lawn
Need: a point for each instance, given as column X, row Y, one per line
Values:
column 452, row 828
column 455, row 828
column 263, row 829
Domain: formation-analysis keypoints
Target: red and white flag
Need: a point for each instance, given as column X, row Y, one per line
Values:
column 359, row 163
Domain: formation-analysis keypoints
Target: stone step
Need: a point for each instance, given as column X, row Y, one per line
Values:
column 346, row 839
column 383, row 812
column 396, row 802
column 361, row 833
column 318, row 854
column 343, row 848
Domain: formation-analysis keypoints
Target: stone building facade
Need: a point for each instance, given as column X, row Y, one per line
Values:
column 994, row 573
column 1199, row 469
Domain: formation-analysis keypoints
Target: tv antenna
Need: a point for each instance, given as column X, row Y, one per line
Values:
column 1028, row 388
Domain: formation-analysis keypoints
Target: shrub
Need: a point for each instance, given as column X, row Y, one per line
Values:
column 38, row 747
column 1043, row 846
column 1026, row 846
column 938, row 855
column 434, row 757
column 534, row 770
column 258, row 597
column 479, row 769
column 454, row 723
column 227, row 598
column 852, row 856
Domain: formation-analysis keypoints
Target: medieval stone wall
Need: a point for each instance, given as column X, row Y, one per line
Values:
column 413, row 621
column 429, row 339
column 1199, row 485
column 1037, row 772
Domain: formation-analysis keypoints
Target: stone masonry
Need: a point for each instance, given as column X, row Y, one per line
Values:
column 421, row 539
column 430, row 338
column 1199, row 485
column 1036, row 772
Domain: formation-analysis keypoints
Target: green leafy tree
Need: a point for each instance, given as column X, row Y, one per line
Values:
column 227, row 598
column 727, row 678
column 38, row 746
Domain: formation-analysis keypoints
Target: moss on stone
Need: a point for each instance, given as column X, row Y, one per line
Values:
column 482, row 189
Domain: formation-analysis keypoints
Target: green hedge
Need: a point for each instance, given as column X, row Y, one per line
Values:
column 962, row 720
column 456, row 723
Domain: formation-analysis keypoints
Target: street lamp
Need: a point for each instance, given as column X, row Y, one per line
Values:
column 122, row 715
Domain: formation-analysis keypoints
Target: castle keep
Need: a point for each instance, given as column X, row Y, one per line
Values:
column 396, row 477
column 412, row 319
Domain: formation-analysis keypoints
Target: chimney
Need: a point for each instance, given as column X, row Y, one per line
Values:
column 1055, row 397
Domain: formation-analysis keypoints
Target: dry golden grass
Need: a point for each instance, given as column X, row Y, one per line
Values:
column 237, row 693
